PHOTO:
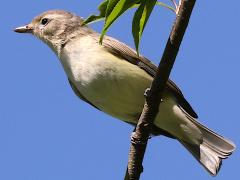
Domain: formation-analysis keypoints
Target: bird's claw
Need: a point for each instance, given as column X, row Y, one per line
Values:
column 146, row 92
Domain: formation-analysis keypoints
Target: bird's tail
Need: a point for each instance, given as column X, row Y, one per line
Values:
column 212, row 150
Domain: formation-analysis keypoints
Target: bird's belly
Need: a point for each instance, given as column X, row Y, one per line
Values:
column 123, row 98
column 117, row 90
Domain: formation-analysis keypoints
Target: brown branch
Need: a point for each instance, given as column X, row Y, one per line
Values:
column 140, row 136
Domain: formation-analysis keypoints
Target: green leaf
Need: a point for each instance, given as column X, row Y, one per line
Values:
column 140, row 19
column 94, row 18
column 103, row 7
column 115, row 9
column 111, row 5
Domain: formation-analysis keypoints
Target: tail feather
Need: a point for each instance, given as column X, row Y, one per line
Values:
column 215, row 140
column 210, row 159
column 207, row 157
column 212, row 150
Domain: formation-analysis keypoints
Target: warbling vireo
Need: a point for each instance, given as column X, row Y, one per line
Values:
column 112, row 78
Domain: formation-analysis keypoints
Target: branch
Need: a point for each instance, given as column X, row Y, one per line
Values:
column 140, row 136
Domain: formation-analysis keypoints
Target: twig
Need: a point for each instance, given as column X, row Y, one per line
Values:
column 174, row 3
column 139, row 138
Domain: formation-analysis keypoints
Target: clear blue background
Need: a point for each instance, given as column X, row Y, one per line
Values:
column 47, row 133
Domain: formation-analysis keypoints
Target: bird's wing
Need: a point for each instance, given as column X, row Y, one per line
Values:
column 125, row 52
column 77, row 92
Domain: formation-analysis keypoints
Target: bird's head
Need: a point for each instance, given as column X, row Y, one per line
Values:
column 53, row 27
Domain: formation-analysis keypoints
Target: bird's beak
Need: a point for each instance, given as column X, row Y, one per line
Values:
column 24, row 29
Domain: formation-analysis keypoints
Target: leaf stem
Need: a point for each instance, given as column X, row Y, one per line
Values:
column 166, row 6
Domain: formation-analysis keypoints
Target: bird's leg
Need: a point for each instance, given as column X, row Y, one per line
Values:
column 146, row 92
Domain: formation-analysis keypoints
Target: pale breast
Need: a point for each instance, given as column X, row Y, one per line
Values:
column 112, row 84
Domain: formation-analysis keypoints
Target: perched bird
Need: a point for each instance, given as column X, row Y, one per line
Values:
column 112, row 78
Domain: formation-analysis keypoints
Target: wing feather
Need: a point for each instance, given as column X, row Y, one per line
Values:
column 125, row 52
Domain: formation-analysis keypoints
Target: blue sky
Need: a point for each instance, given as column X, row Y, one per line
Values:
column 47, row 133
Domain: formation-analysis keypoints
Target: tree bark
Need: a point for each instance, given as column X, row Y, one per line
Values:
column 153, row 96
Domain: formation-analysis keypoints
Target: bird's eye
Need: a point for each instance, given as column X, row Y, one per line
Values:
column 44, row 21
